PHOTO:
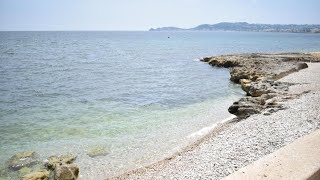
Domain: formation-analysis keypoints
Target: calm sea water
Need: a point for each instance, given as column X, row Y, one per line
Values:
column 138, row 94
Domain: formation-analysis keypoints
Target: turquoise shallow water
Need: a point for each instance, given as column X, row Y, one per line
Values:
column 140, row 94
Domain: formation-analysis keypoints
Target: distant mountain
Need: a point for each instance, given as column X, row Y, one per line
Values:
column 244, row 26
column 167, row 29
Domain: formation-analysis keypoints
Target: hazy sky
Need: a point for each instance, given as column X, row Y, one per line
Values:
column 144, row 14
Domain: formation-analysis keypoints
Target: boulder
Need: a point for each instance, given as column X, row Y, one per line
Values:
column 38, row 175
column 302, row 66
column 247, row 106
column 22, row 159
column 66, row 172
column 52, row 161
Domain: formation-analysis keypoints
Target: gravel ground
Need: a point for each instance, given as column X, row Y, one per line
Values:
column 242, row 143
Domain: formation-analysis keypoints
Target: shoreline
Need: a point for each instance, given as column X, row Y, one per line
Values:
column 209, row 132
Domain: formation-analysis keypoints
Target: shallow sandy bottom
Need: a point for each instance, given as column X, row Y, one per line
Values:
column 239, row 144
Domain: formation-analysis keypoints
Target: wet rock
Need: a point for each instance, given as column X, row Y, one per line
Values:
column 52, row 161
column 66, row 172
column 37, row 175
column 98, row 151
column 22, row 159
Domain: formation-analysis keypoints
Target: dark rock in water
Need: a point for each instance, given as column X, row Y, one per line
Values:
column 22, row 159
column 52, row 161
column 37, row 175
column 66, row 172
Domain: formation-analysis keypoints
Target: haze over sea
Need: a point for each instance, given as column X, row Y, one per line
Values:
column 138, row 94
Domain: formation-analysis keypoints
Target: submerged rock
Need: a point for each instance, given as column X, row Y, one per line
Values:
column 98, row 151
column 22, row 159
column 37, row 175
column 66, row 172
column 25, row 170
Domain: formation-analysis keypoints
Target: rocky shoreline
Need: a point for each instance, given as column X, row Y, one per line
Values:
column 231, row 146
column 27, row 165
column 257, row 73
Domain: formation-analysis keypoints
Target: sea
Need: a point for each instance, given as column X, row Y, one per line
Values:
column 138, row 97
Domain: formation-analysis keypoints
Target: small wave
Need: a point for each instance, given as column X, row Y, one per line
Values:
column 204, row 131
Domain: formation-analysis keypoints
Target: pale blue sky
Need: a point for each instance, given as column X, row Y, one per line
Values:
column 144, row 14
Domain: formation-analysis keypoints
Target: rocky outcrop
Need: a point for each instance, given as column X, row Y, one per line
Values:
column 26, row 165
column 257, row 74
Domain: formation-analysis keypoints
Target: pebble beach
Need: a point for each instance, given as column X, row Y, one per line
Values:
column 234, row 145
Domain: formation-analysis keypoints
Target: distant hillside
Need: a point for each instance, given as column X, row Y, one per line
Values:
column 243, row 26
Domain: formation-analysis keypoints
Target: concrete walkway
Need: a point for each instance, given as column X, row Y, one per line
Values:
column 298, row 160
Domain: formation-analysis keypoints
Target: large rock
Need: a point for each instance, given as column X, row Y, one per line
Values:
column 52, row 161
column 66, row 172
column 22, row 159
column 247, row 106
column 302, row 66
column 38, row 175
